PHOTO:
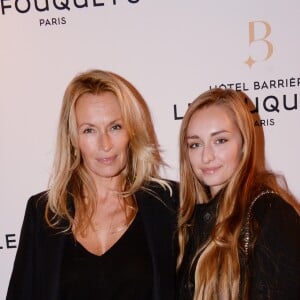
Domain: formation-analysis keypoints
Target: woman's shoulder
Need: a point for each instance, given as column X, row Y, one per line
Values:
column 165, row 190
column 277, row 218
column 271, row 203
column 163, row 186
column 36, row 204
column 39, row 199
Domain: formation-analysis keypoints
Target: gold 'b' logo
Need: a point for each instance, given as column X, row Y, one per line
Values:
column 259, row 31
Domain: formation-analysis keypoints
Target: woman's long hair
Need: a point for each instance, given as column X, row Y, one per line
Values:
column 217, row 274
column 70, row 177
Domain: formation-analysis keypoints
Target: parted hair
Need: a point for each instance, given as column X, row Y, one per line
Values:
column 217, row 273
column 70, row 177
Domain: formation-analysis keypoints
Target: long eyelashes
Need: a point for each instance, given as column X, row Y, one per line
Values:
column 218, row 141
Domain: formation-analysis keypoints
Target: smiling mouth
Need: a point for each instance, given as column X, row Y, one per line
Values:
column 209, row 171
column 106, row 160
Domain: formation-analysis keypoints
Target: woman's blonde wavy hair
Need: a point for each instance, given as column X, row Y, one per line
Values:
column 217, row 274
column 70, row 177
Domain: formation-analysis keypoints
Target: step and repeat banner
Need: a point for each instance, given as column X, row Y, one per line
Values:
column 170, row 50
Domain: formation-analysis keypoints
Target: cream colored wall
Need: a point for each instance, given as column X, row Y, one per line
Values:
column 170, row 50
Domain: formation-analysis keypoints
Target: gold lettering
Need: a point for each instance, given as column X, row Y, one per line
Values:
column 253, row 38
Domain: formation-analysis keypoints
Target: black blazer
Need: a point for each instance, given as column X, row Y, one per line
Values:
column 36, row 270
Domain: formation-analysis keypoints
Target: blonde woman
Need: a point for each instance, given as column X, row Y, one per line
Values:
column 104, row 228
column 239, row 229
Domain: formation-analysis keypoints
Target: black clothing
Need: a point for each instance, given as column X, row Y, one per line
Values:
column 201, row 226
column 274, row 262
column 123, row 272
column 37, row 267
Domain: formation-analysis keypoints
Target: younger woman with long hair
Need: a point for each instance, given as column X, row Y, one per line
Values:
column 239, row 227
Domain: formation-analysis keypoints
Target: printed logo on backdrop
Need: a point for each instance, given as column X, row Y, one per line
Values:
column 259, row 43
column 8, row 241
column 280, row 94
column 55, row 6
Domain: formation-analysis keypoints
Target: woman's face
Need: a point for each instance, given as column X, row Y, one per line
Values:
column 214, row 146
column 103, row 139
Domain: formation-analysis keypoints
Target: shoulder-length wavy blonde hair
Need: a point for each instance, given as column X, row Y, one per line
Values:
column 217, row 274
column 69, row 176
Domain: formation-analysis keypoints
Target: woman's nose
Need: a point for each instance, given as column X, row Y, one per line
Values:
column 207, row 154
column 105, row 142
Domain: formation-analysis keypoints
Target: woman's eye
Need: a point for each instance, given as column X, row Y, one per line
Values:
column 221, row 141
column 116, row 127
column 88, row 130
column 194, row 145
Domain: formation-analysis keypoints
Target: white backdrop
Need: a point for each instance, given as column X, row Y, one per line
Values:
column 170, row 50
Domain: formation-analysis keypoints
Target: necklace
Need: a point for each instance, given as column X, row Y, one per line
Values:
column 108, row 224
column 115, row 229
column 121, row 218
column 129, row 211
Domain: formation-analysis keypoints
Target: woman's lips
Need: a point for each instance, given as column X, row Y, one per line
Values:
column 210, row 171
column 107, row 160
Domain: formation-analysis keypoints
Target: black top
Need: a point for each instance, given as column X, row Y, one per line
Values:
column 37, row 266
column 123, row 272
column 201, row 226
column 274, row 261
